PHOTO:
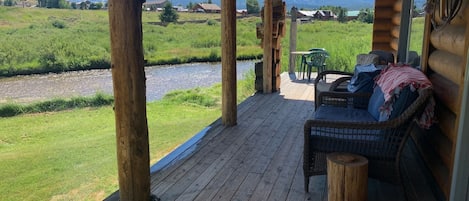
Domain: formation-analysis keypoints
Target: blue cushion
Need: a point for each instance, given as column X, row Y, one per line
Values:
column 325, row 112
column 375, row 103
column 363, row 78
column 401, row 103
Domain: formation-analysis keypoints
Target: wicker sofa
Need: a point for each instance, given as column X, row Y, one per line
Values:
column 351, row 122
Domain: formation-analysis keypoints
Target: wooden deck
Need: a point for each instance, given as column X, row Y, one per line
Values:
column 259, row 159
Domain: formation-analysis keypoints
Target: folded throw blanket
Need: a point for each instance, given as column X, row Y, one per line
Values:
column 394, row 78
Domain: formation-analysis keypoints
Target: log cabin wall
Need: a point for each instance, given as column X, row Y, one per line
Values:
column 444, row 60
column 386, row 26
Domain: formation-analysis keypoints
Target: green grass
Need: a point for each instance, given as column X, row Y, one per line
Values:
column 71, row 155
column 79, row 39
column 56, row 104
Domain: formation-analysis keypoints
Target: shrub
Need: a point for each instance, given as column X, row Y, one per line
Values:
column 57, row 104
column 169, row 15
column 8, row 3
column 10, row 110
column 191, row 97
column 59, row 24
column 211, row 22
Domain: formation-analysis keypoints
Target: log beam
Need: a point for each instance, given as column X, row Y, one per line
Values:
column 293, row 37
column 128, row 75
column 267, row 68
column 228, row 56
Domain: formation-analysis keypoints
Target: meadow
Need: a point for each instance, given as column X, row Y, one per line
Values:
column 52, row 40
column 70, row 155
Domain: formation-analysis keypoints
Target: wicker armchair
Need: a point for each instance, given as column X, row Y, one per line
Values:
column 342, row 78
column 380, row 141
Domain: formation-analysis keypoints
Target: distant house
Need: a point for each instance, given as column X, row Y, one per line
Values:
column 305, row 15
column 325, row 15
column 207, row 8
column 154, row 4
column 180, row 9
column 308, row 15
column 352, row 15
column 242, row 12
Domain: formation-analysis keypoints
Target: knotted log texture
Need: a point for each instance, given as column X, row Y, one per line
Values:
column 347, row 177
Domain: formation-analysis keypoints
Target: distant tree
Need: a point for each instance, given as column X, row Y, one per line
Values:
column 63, row 4
column 96, row 6
column 415, row 11
column 335, row 9
column 190, row 5
column 342, row 16
column 366, row 15
column 252, row 6
column 74, row 5
column 83, row 6
column 41, row 3
column 169, row 14
column 52, row 3
column 8, row 3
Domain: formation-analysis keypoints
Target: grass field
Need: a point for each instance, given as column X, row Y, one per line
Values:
column 79, row 39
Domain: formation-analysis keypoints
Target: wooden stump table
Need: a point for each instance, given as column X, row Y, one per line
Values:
column 347, row 177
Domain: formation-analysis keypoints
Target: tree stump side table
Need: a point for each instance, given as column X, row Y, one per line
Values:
column 347, row 177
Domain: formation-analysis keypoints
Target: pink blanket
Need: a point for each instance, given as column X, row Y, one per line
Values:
column 394, row 78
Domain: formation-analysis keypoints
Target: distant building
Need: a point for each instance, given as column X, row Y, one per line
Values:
column 242, row 12
column 154, row 4
column 352, row 15
column 180, row 9
column 325, row 15
column 308, row 15
column 305, row 15
column 207, row 8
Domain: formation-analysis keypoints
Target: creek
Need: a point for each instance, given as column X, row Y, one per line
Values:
column 159, row 81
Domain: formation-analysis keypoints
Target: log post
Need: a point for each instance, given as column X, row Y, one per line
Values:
column 228, row 56
column 293, row 33
column 267, row 70
column 347, row 177
column 128, row 75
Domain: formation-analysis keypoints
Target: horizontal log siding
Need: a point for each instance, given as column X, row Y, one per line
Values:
column 387, row 21
column 444, row 61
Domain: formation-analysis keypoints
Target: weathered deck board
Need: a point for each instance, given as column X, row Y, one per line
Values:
column 260, row 158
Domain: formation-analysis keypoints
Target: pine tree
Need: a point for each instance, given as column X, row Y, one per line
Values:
column 252, row 6
column 169, row 15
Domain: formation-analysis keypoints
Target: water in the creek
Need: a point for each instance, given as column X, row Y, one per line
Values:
column 160, row 80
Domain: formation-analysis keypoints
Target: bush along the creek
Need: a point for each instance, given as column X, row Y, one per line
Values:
column 57, row 104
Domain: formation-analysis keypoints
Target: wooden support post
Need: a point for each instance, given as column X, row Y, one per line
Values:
column 228, row 44
column 268, row 19
column 293, row 31
column 128, row 75
column 347, row 177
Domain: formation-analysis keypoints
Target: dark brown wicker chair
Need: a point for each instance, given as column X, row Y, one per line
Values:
column 342, row 78
column 321, row 84
column 380, row 141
